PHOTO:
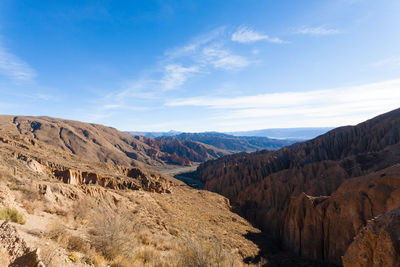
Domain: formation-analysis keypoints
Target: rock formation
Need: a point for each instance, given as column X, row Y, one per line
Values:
column 315, row 196
column 377, row 244
column 19, row 254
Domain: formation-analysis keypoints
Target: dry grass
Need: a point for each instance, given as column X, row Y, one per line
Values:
column 111, row 233
column 48, row 255
column 83, row 209
column 30, row 207
column 195, row 253
column 145, row 238
column 55, row 210
column 147, row 255
column 99, row 261
column 62, row 236
column 76, row 243
column 13, row 215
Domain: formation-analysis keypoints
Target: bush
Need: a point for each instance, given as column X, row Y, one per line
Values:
column 13, row 215
column 194, row 253
column 111, row 233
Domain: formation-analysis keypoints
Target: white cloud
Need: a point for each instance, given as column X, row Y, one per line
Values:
column 247, row 35
column 175, row 75
column 194, row 45
column 329, row 107
column 222, row 58
column 15, row 68
column 321, row 30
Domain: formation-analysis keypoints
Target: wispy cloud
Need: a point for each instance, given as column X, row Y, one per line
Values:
column 196, row 43
column 204, row 52
column 15, row 68
column 247, row 35
column 222, row 58
column 317, row 107
column 320, row 30
column 202, row 55
column 393, row 61
column 175, row 75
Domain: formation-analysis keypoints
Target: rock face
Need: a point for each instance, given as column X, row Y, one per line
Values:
column 325, row 226
column 377, row 244
column 134, row 179
column 315, row 196
column 19, row 254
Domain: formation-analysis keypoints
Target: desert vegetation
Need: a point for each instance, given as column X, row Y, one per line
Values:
column 12, row 214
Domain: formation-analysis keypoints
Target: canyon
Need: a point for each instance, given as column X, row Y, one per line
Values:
column 315, row 197
column 329, row 201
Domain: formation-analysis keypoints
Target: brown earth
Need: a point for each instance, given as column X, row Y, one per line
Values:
column 377, row 244
column 82, row 210
column 314, row 197
column 96, row 142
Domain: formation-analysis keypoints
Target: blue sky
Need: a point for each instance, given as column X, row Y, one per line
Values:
column 201, row 65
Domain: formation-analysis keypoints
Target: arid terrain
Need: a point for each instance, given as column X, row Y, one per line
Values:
column 74, row 195
column 79, row 194
column 317, row 197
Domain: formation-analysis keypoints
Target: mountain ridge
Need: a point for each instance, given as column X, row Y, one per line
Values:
column 265, row 185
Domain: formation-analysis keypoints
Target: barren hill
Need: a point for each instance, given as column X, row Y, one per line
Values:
column 87, row 210
column 63, row 196
column 96, row 142
column 315, row 197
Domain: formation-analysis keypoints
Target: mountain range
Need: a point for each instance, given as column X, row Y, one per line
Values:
column 297, row 134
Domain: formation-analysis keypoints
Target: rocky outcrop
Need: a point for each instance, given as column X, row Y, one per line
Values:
column 134, row 179
column 307, row 195
column 324, row 227
column 377, row 244
column 19, row 254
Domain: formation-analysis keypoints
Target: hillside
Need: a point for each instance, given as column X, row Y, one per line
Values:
column 66, row 209
column 191, row 150
column 314, row 197
column 230, row 142
column 81, row 212
column 96, row 142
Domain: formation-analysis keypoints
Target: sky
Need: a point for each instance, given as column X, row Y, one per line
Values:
column 209, row 65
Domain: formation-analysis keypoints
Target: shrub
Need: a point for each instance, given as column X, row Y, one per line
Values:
column 111, row 233
column 121, row 261
column 13, row 215
column 82, row 209
column 57, row 232
column 195, row 253
column 147, row 255
column 76, row 243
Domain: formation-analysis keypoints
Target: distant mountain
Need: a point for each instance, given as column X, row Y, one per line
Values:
column 230, row 142
column 154, row 134
column 286, row 133
column 294, row 134
column 183, row 151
